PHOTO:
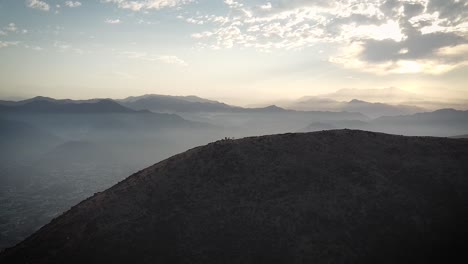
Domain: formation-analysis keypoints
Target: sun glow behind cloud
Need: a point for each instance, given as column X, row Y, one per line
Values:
column 301, row 24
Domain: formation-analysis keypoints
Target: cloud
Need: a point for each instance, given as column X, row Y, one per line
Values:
column 289, row 24
column 441, row 61
column 72, row 4
column 139, row 5
column 5, row 44
column 37, row 4
column 32, row 47
column 113, row 21
column 397, row 36
column 429, row 39
column 202, row 35
column 168, row 59
column 412, row 48
column 66, row 47
column 11, row 27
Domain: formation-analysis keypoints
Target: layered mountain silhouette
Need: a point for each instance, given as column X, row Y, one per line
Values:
column 443, row 115
column 340, row 196
column 369, row 109
column 437, row 123
column 189, row 104
column 374, row 102
column 442, row 122
column 195, row 104
column 380, row 109
column 393, row 95
column 52, row 100
column 49, row 105
column 72, row 118
column 175, row 104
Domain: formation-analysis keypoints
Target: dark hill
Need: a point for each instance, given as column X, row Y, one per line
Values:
column 339, row 196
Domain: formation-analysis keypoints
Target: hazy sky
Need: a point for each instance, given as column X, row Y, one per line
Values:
column 237, row 51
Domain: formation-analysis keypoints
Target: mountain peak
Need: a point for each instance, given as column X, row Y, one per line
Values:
column 274, row 107
column 357, row 101
column 447, row 110
column 42, row 98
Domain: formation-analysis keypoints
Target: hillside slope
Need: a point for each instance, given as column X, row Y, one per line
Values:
column 340, row 196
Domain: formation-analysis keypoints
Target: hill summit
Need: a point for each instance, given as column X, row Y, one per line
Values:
column 340, row 196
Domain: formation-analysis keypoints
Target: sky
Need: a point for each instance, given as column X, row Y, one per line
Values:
column 239, row 52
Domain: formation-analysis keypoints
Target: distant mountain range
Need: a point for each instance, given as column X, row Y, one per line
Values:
column 191, row 104
column 340, row 196
column 174, row 104
column 155, row 111
column 436, row 123
column 365, row 101
column 391, row 95
column 400, row 119
column 372, row 110
column 78, row 119
column 188, row 104
column 443, row 118
column 140, row 104
column 49, row 105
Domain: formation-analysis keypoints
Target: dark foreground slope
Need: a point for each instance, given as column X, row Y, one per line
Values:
column 338, row 196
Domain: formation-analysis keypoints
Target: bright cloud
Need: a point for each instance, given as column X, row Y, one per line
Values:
column 72, row 4
column 168, row 59
column 37, row 4
column 33, row 47
column 113, row 21
column 447, row 60
column 11, row 27
column 147, row 4
column 4, row 44
column 66, row 47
